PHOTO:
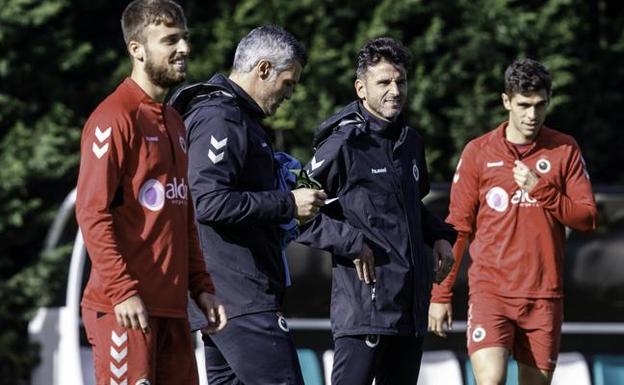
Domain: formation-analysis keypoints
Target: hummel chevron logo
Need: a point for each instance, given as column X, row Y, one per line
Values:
column 113, row 382
column 118, row 340
column 215, row 158
column 99, row 151
column 495, row 164
column 118, row 356
column 102, row 135
column 314, row 164
column 119, row 371
column 218, row 144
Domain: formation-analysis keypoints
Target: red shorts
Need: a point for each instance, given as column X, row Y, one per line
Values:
column 163, row 356
column 529, row 328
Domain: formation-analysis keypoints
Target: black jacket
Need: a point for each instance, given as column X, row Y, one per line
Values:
column 378, row 172
column 232, row 178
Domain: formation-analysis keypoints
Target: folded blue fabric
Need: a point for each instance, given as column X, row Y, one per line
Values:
column 286, row 180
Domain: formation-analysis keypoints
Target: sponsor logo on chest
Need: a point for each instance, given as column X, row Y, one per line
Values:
column 153, row 194
column 498, row 199
column 522, row 198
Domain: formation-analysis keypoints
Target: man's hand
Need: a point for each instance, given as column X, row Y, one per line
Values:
column 443, row 259
column 214, row 312
column 308, row 202
column 132, row 314
column 524, row 177
column 438, row 313
column 365, row 265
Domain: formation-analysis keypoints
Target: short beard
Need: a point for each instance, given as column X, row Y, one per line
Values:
column 161, row 75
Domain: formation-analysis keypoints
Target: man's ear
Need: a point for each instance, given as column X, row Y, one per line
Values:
column 263, row 69
column 360, row 89
column 506, row 101
column 136, row 50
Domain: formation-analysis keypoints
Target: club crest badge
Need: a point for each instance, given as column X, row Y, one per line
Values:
column 478, row 334
column 281, row 322
column 543, row 165
column 372, row 340
column 415, row 171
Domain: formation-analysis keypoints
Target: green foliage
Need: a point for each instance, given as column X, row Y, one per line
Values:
column 60, row 58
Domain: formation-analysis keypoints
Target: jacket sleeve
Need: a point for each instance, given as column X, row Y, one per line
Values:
column 199, row 278
column 329, row 231
column 574, row 205
column 218, row 146
column 433, row 227
column 106, row 139
column 462, row 215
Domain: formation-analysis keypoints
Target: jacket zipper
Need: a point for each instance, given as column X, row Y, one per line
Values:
column 402, row 204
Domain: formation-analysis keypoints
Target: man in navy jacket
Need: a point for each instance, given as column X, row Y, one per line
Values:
column 239, row 206
column 373, row 164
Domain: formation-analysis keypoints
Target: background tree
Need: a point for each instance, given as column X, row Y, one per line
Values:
column 61, row 57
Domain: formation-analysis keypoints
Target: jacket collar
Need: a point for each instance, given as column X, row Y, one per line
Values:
column 351, row 114
column 185, row 97
column 355, row 114
column 381, row 127
column 243, row 97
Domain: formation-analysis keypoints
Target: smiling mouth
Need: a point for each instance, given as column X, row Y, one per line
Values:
column 179, row 63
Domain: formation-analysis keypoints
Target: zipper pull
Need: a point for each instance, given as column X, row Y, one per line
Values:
column 373, row 296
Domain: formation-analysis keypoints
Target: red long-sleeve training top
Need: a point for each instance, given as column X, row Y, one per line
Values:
column 517, row 238
column 133, row 209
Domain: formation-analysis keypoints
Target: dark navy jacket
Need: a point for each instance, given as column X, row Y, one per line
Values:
column 378, row 172
column 239, row 208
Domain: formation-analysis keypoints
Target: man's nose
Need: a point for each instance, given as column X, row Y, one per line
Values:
column 183, row 46
column 394, row 89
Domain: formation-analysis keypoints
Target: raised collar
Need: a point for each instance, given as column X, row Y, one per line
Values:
column 137, row 92
column 243, row 97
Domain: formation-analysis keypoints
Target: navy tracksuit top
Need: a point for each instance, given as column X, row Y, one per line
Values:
column 379, row 174
column 233, row 185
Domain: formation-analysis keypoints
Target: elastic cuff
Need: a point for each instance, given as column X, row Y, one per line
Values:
column 290, row 205
column 540, row 191
column 357, row 245
column 440, row 295
column 116, row 300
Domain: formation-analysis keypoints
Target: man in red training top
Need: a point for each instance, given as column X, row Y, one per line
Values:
column 133, row 210
column 515, row 190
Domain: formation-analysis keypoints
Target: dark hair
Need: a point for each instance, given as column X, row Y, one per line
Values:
column 381, row 48
column 272, row 43
column 141, row 13
column 526, row 75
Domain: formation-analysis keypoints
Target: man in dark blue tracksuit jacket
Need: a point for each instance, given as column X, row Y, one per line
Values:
column 374, row 164
column 239, row 206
